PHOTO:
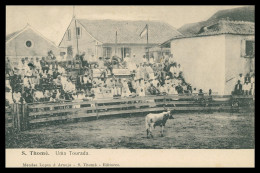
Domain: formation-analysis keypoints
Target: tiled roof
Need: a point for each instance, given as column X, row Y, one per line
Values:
column 229, row 27
column 28, row 26
column 128, row 31
column 221, row 27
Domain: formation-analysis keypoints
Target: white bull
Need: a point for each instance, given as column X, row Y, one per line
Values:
column 153, row 120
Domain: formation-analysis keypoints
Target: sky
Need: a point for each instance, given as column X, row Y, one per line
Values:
column 52, row 21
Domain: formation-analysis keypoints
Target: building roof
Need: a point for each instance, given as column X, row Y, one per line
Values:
column 128, row 31
column 229, row 27
column 13, row 35
column 222, row 27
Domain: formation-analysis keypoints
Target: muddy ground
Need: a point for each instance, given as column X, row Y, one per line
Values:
column 186, row 131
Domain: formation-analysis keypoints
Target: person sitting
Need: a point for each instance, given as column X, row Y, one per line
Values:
column 201, row 92
column 45, row 65
column 131, row 86
column 150, row 72
column 238, row 88
column 22, row 68
column 162, row 89
column 172, row 90
column 179, row 69
column 101, row 63
column 195, row 92
column 184, row 87
column 210, row 92
column 17, row 97
column 38, row 96
column 125, row 91
column 152, row 90
column 151, row 60
column 26, row 60
column 189, row 88
column 27, row 95
column 46, row 95
column 57, row 97
column 179, row 89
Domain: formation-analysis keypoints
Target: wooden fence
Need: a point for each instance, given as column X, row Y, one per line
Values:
column 23, row 116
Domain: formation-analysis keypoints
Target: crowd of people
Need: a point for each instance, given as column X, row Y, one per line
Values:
column 47, row 80
column 245, row 84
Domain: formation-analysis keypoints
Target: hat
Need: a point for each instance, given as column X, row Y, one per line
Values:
column 30, row 64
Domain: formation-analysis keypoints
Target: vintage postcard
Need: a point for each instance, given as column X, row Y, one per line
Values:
column 130, row 86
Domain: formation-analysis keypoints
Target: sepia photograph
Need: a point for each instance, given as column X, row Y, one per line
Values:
column 128, row 77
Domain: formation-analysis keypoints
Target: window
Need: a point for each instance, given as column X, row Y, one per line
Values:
column 78, row 32
column 62, row 53
column 125, row 51
column 107, row 51
column 70, row 52
column 250, row 48
column 69, row 34
column 247, row 48
column 28, row 44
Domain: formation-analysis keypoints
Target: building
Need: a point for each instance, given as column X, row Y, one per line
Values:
column 215, row 56
column 105, row 38
column 28, row 42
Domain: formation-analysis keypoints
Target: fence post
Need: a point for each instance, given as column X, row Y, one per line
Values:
column 96, row 106
column 25, row 115
column 164, row 101
column 17, row 125
column 13, row 116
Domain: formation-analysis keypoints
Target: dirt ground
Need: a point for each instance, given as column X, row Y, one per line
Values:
column 186, row 131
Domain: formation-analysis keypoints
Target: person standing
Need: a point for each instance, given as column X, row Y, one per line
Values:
column 37, row 64
column 253, row 84
column 151, row 61
column 9, row 67
column 22, row 68
column 241, row 79
column 247, row 87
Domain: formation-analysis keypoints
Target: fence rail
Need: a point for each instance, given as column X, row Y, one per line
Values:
column 22, row 116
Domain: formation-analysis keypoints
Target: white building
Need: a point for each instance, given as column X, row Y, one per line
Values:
column 105, row 38
column 28, row 42
column 213, row 58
